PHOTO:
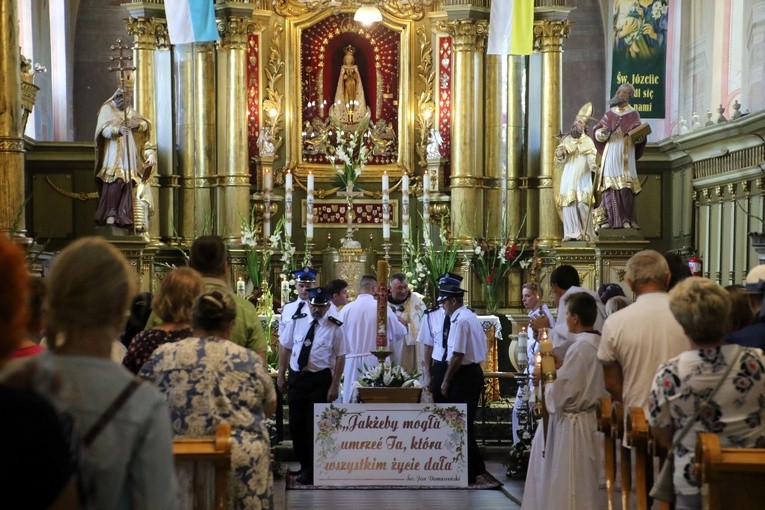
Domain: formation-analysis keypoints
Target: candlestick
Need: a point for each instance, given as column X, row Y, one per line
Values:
column 381, row 339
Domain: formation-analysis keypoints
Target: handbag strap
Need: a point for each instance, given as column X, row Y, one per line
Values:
column 692, row 421
column 111, row 411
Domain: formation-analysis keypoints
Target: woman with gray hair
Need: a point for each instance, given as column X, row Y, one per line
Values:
column 714, row 387
column 208, row 379
column 127, row 459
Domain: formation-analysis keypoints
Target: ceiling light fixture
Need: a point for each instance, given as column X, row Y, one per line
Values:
column 367, row 14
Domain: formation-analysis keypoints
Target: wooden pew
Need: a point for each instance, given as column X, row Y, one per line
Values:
column 609, row 447
column 638, row 437
column 730, row 477
column 215, row 450
column 625, row 460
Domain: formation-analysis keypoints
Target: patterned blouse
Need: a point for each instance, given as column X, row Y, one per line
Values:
column 144, row 343
column 735, row 412
column 209, row 380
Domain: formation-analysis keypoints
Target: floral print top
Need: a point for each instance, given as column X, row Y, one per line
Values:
column 210, row 380
column 735, row 412
column 145, row 342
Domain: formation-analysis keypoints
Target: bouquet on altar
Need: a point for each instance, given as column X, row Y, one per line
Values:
column 384, row 375
column 350, row 155
column 258, row 260
column 493, row 261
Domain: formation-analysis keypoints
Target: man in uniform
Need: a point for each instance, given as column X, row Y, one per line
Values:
column 305, row 279
column 462, row 381
column 314, row 348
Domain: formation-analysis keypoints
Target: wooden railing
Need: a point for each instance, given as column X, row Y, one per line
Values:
column 215, row 450
column 730, row 477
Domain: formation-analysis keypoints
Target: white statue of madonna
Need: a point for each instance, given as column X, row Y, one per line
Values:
column 350, row 107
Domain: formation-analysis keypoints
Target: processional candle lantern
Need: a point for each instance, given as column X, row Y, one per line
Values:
column 521, row 356
column 546, row 352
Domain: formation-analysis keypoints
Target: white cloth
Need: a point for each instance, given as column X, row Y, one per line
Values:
column 573, row 451
column 360, row 324
column 640, row 337
column 328, row 343
column 466, row 336
column 559, row 335
column 407, row 353
column 130, row 464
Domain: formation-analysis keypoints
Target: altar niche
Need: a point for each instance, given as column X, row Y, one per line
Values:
column 350, row 79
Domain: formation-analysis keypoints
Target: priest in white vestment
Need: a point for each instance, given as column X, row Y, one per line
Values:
column 360, row 324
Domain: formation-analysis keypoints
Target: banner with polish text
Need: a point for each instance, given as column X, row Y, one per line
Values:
column 640, row 53
column 390, row 445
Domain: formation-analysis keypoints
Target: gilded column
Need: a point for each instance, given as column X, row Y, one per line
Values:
column 495, row 191
column 548, row 38
column 144, row 32
column 205, row 137
column 11, row 141
column 183, row 69
column 468, row 39
column 516, row 93
column 233, row 178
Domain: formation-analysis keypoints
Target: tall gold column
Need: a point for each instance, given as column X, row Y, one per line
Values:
column 548, row 38
column 495, row 183
column 204, row 134
column 468, row 39
column 516, row 93
column 233, row 179
column 183, row 69
column 11, row 141
column 144, row 34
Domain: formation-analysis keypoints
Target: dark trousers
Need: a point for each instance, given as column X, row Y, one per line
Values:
column 466, row 388
column 304, row 389
column 437, row 374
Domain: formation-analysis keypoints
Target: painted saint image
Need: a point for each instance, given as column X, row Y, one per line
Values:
column 640, row 27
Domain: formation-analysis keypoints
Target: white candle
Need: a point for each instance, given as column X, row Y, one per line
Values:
column 288, row 205
column 426, row 208
column 267, row 215
column 309, row 208
column 268, row 183
column 386, row 216
column 385, row 182
column 405, row 208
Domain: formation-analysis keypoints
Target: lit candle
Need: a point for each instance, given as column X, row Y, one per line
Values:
column 405, row 208
column 537, row 375
column 288, row 205
column 309, row 208
column 268, row 184
column 386, row 207
column 546, row 352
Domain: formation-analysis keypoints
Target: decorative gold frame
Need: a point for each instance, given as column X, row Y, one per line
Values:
column 293, row 116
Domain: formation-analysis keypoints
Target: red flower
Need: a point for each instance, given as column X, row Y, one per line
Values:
column 512, row 252
column 489, row 279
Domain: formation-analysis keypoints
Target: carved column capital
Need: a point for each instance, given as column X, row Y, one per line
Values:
column 144, row 32
column 235, row 30
column 549, row 35
column 468, row 35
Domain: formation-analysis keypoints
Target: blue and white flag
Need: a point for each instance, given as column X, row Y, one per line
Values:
column 191, row 21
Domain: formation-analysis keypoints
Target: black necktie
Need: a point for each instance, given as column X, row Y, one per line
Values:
column 305, row 350
column 444, row 341
column 297, row 314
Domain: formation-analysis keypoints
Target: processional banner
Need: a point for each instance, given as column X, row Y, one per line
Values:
column 640, row 53
column 390, row 445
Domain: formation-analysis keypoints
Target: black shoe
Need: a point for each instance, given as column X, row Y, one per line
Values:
column 305, row 479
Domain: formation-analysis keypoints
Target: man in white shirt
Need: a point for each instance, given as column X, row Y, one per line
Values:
column 636, row 339
column 314, row 349
column 462, row 381
column 305, row 280
column 360, row 326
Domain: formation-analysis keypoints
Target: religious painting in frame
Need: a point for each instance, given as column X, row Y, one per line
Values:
column 353, row 78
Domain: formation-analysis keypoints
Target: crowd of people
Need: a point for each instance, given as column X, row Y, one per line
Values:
column 686, row 350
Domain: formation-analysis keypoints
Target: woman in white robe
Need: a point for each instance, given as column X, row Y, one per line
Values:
column 568, row 476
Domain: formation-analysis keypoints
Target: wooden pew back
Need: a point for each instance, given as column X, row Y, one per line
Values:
column 205, row 463
column 730, row 477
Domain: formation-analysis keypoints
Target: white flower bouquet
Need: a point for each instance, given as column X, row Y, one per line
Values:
column 386, row 376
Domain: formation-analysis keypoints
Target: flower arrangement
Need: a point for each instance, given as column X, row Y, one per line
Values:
column 492, row 263
column 350, row 155
column 385, row 376
column 413, row 266
column 278, row 241
column 258, row 261
column 436, row 259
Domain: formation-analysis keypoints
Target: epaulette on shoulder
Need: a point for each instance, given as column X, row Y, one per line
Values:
column 432, row 309
column 471, row 309
column 335, row 321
